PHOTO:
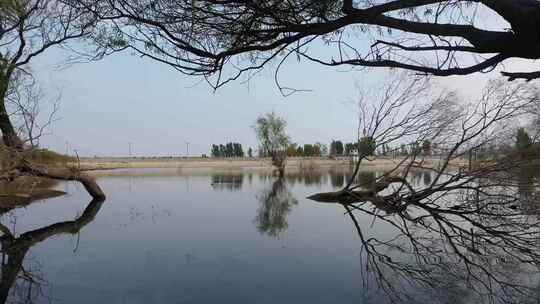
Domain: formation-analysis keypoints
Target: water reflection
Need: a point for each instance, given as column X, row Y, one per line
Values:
column 528, row 192
column 276, row 203
column 22, row 284
column 230, row 182
column 416, row 266
column 206, row 251
column 305, row 178
column 24, row 191
column 337, row 177
column 366, row 179
column 472, row 245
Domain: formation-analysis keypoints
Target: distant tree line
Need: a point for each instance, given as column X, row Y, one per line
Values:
column 336, row 148
column 523, row 142
column 306, row 150
column 525, row 145
column 366, row 145
column 228, row 150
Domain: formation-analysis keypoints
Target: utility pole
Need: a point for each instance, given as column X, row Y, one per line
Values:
column 130, row 144
column 187, row 149
column 67, row 147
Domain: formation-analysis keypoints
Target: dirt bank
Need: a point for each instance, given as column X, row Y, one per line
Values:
column 223, row 164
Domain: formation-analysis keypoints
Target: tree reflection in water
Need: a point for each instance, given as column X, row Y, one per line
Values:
column 474, row 238
column 337, row 178
column 473, row 245
column 230, row 182
column 276, row 203
column 527, row 193
column 366, row 178
column 19, row 284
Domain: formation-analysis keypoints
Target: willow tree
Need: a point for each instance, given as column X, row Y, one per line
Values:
column 228, row 38
column 28, row 29
column 270, row 130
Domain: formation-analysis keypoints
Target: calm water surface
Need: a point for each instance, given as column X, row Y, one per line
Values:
column 166, row 237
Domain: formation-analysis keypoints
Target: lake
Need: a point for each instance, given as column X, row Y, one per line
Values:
column 166, row 236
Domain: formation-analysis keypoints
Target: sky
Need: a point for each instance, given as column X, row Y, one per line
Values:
column 122, row 99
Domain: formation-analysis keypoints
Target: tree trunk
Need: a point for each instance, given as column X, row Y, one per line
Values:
column 87, row 181
column 9, row 135
column 15, row 249
column 16, row 145
column 10, row 269
column 281, row 172
column 278, row 160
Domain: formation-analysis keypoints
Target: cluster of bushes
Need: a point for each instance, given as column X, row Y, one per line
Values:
column 366, row 144
column 338, row 148
column 306, row 150
column 229, row 150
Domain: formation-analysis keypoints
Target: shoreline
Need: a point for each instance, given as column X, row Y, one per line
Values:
column 106, row 164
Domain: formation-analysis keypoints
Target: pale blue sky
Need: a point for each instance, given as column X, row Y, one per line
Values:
column 125, row 98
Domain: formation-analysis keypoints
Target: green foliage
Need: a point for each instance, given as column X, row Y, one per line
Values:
column 227, row 150
column 336, row 148
column 292, row 150
column 486, row 152
column 333, row 148
column 317, row 149
column 215, row 151
column 367, row 146
column 310, row 150
column 300, row 151
column 323, row 149
column 261, row 152
column 237, row 150
column 349, row 148
column 403, row 150
column 276, row 204
column 117, row 43
column 426, row 147
column 270, row 130
column 523, row 140
column 11, row 8
column 306, row 150
column 416, row 149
